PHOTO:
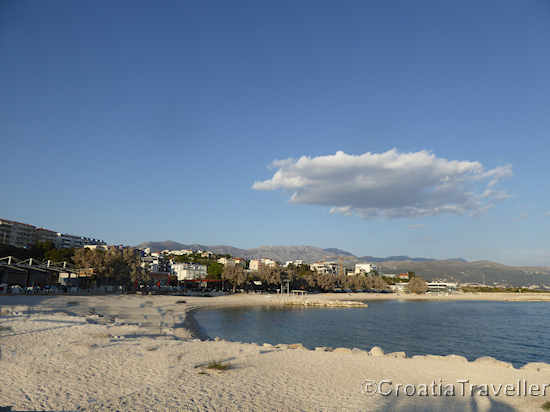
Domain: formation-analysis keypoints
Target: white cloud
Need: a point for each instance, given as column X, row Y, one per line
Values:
column 389, row 184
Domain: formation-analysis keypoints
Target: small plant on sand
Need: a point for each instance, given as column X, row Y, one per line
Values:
column 218, row 365
column 546, row 406
column 5, row 328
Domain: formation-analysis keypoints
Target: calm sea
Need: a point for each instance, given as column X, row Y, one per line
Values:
column 516, row 332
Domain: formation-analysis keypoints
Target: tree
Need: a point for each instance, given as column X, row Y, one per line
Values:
column 112, row 266
column 417, row 285
column 327, row 281
column 235, row 274
column 270, row 275
column 215, row 270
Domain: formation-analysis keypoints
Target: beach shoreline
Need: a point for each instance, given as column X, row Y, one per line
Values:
column 132, row 352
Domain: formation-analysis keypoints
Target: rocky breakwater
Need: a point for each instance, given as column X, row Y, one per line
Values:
column 312, row 302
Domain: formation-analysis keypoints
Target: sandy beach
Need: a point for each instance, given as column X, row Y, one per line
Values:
column 132, row 352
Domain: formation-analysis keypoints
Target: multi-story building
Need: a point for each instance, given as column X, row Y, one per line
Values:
column 177, row 252
column 45, row 235
column 65, row 240
column 365, row 269
column 156, row 263
column 256, row 264
column 231, row 261
column 92, row 241
column 328, row 267
column 294, row 262
column 24, row 235
column 189, row 271
column 16, row 234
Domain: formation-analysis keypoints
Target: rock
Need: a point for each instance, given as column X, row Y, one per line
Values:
column 376, row 351
column 267, row 345
column 457, row 358
column 418, row 357
column 434, row 357
column 217, row 339
column 344, row 350
column 296, row 346
column 322, row 349
column 399, row 355
column 282, row 346
column 357, row 351
column 536, row 366
column 487, row 360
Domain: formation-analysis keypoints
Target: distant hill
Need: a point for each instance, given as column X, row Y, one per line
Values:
column 458, row 269
column 171, row 245
column 338, row 252
column 394, row 258
column 279, row 253
column 306, row 253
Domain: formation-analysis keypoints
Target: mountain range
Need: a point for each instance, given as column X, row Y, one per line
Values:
column 458, row 269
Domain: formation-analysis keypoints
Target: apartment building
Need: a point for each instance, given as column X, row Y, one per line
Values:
column 294, row 262
column 45, row 235
column 364, row 269
column 16, row 234
column 328, row 267
column 189, row 271
column 256, row 264
column 24, row 235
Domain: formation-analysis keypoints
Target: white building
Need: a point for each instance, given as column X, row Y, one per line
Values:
column 441, row 287
column 189, row 271
column 364, row 268
column 224, row 260
column 400, row 287
column 181, row 252
column 294, row 262
column 256, row 264
column 327, row 267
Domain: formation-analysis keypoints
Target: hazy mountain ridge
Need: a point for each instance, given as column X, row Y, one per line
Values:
column 471, row 272
column 279, row 253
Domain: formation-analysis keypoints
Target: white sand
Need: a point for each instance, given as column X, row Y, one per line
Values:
column 141, row 355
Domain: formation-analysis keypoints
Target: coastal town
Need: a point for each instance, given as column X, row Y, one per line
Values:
column 39, row 260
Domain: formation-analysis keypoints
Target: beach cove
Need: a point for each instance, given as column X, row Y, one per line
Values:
column 130, row 352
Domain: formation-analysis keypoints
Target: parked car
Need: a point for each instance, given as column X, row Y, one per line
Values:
column 17, row 290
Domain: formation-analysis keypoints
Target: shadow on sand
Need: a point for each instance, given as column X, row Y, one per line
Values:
column 447, row 404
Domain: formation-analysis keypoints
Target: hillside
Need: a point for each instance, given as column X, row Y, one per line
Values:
column 470, row 272
column 458, row 270
column 279, row 253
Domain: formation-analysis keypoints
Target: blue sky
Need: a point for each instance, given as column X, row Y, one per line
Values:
column 135, row 121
